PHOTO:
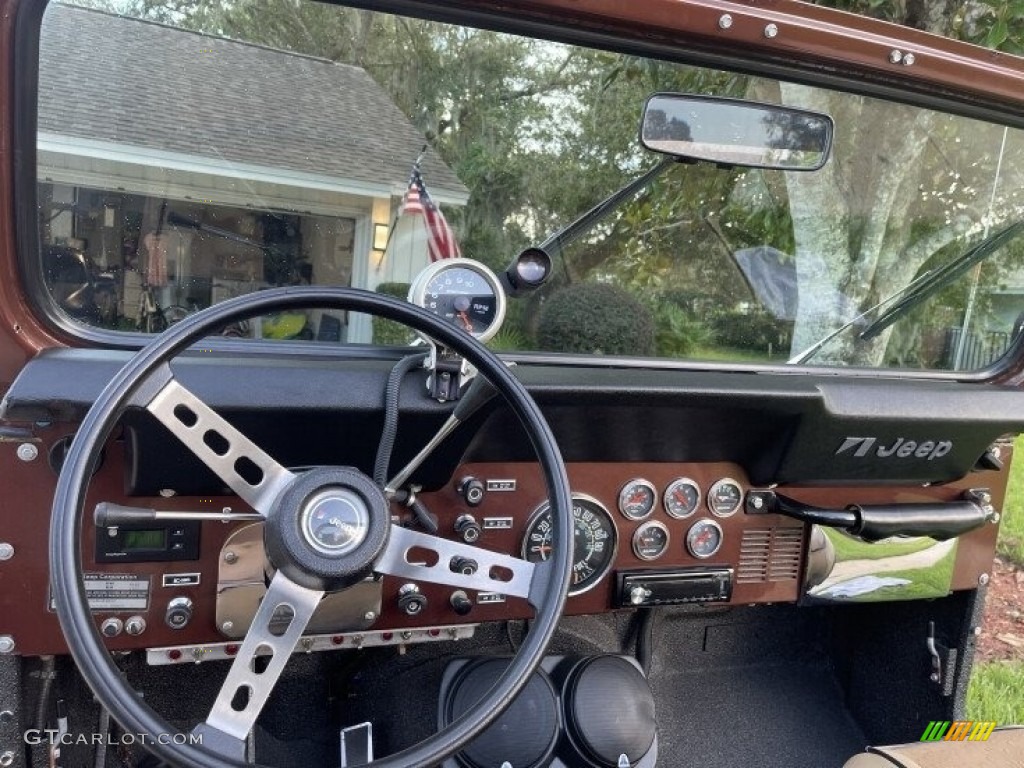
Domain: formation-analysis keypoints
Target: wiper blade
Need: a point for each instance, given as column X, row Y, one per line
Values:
column 939, row 278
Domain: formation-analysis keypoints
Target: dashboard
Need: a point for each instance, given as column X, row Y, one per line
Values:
column 646, row 533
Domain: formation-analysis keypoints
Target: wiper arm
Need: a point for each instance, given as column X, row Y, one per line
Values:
column 916, row 291
column 939, row 278
column 567, row 234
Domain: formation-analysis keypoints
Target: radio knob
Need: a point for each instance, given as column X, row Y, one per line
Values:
column 179, row 613
column 135, row 625
column 638, row 595
column 111, row 627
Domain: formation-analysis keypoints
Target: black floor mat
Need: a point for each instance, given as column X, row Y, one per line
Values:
column 765, row 716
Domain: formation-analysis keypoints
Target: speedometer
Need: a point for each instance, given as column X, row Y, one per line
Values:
column 594, row 541
column 463, row 292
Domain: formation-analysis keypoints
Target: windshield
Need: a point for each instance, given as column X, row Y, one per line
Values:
column 192, row 152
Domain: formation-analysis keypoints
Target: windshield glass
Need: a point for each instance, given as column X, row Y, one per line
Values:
column 191, row 152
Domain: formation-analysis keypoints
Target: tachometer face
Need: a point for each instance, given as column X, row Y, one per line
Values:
column 594, row 541
column 682, row 497
column 636, row 499
column 704, row 539
column 463, row 292
column 725, row 497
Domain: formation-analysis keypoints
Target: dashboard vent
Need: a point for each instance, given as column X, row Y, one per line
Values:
column 770, row 554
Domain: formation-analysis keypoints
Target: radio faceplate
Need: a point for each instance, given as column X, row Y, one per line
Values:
column 150, row 542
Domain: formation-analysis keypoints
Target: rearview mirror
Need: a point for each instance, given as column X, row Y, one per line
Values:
column 733, row 132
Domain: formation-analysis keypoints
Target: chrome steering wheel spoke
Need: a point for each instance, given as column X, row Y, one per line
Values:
column 240, row 463
column 280, row 621
column 494, row 572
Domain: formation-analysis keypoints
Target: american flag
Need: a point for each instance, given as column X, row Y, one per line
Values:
column 441, row 242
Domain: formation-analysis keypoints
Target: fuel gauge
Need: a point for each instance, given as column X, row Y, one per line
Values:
column 682, row 497
column 650, row 540
column 704, row 539
column 636, row 499
column 725, row 497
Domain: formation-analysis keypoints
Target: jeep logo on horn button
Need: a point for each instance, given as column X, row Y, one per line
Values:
column 900, row 448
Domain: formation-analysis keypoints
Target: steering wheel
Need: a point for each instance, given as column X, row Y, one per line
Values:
column 310, row 559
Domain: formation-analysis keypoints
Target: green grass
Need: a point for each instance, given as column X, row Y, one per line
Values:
column 1011, row 529
column 996, row 691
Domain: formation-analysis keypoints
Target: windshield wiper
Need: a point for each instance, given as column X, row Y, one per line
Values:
column 917, row 291
column 941, row 277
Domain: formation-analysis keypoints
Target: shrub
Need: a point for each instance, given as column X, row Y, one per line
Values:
column 595, row 318
column 755, row 331
column 388, row 332
column 677, row 332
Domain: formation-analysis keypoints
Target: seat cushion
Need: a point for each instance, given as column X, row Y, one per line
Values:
column 1003, row 749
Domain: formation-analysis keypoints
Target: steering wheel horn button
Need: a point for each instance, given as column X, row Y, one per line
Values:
column 328, row 528
column 335, row 521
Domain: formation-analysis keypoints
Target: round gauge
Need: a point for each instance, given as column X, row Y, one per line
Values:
column 650, row 540
column 682, row 497
column 725, row 497
column 704, row 539
column 594, row 540
column 636, row 499
column 464, row 292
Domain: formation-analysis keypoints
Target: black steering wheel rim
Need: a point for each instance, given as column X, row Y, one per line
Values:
column 548, row 589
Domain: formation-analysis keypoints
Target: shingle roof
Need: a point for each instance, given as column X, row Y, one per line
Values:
column 123, row 80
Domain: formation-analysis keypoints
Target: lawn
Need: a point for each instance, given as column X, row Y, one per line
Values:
column 997, row 687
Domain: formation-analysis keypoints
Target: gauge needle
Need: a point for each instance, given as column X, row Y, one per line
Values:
column 466, row 321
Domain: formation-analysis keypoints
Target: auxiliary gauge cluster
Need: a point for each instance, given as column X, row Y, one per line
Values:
column 681, row 499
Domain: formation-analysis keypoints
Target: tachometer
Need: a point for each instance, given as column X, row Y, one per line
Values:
column 594, row 541
column 463, row 292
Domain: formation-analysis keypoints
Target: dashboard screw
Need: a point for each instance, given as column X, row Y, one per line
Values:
column 724, row 21
column 771, row 31
column 6, row 644
column 369, row 616
column 28, row 452
column 227, row 626
column 909, row 59
column 230, row 558
column 7, row 758
column 983, row 579
column 895, row 56
column 6, row 550
column 6, row 716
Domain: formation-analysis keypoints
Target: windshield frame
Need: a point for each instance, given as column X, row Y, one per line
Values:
column 919, row 86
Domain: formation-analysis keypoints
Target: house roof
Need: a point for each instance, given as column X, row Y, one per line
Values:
column 146, row 85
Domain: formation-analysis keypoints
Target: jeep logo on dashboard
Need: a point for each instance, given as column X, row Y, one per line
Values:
column 900, row 448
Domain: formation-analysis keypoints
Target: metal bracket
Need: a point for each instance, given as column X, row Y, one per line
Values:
column 943, row 662
column 446, row 374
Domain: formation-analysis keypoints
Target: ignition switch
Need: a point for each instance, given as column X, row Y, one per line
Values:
column 179, row 613
column 410, row 600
